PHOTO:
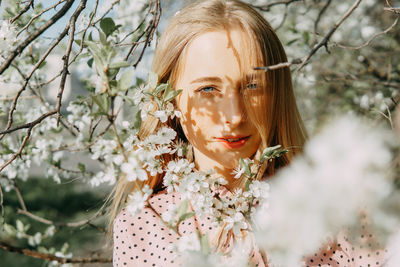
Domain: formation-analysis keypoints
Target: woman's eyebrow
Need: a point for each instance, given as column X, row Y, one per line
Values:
column 213, row 79
column 253, row 76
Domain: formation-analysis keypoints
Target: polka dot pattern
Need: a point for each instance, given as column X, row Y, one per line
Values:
column 345, row 253
column 143, row 240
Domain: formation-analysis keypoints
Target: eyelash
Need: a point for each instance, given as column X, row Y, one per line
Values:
column 203, row 89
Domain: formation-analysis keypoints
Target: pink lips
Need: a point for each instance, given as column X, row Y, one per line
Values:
column 242, row 139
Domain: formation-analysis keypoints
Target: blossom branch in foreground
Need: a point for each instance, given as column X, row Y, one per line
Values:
column 41, row 60
column 322, row 191
column 51, row 257
column 17, row 51
column 28, row 134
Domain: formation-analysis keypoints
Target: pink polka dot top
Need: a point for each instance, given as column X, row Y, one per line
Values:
column 143, row 240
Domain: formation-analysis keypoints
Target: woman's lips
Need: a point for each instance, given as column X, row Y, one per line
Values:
column 233, row 142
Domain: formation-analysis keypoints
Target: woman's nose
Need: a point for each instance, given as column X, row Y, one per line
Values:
column 233, row 110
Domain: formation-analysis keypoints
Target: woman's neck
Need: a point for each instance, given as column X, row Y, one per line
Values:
column 204, row 163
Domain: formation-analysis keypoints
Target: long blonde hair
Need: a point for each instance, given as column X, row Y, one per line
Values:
column 278, row 122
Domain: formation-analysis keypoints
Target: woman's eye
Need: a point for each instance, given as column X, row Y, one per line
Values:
column 207, row 89
column 251, row 86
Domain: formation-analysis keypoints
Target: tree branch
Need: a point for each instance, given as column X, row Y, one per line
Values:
column 324, row 42
column 62, row 224
column 2, row 201
column 36, row 34
column 28, row 134
column 372, row 38
column 51, row 257
column 73, row 19
column 25, row 9
column 267, row 7
column 29, row 124
column 42, row 59
column 328, row 2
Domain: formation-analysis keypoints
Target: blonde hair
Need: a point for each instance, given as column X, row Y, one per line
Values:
column 279, row 121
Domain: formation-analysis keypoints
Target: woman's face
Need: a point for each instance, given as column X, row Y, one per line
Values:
column 214, row 119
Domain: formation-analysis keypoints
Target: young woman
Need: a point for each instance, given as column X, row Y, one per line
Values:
column 229, row 111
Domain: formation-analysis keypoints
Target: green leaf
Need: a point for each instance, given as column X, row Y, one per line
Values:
column 42, row 249
column 103, row 38
column 119, row 64
column 186, row 216
column 247, row 185
column 126, row 79
column 306, row 36
column 137, row 122
column 98, row 56
column 171, row 95
column 90, row 62
column 272, row 152
column 182, row 208
column 107, row 25
column 160, row 88
column 204, row 244
column 102, row 102
column 9, row 229
column 20, row 226
column 153, row 80
column 292, row 41
column 82, row 167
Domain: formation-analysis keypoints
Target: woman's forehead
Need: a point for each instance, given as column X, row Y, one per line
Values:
column 217, row 54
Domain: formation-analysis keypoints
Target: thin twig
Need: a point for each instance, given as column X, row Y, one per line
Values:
column 152, row 31
column 65, row 71
column 325, row 7
column 1, row 201
column 19, row 195
column 25, row 9
column 26, row 79
column 38, row 15
column 51, row 257
column 29, row 124
column 391, row 9
column 324, row 41
column 50, row 222
column 267, row 7
column 371, row 39
column 28, row 134
column 84, row 33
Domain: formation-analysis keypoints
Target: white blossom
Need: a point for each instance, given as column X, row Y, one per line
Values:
column 104, row 149
column 237, row 223
column 343, row 170
column 238, row 172
column 8, row 38
column 133, row 168
column 162, row 115
column 189, row 242
column 107, row 176
column 137, row 200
